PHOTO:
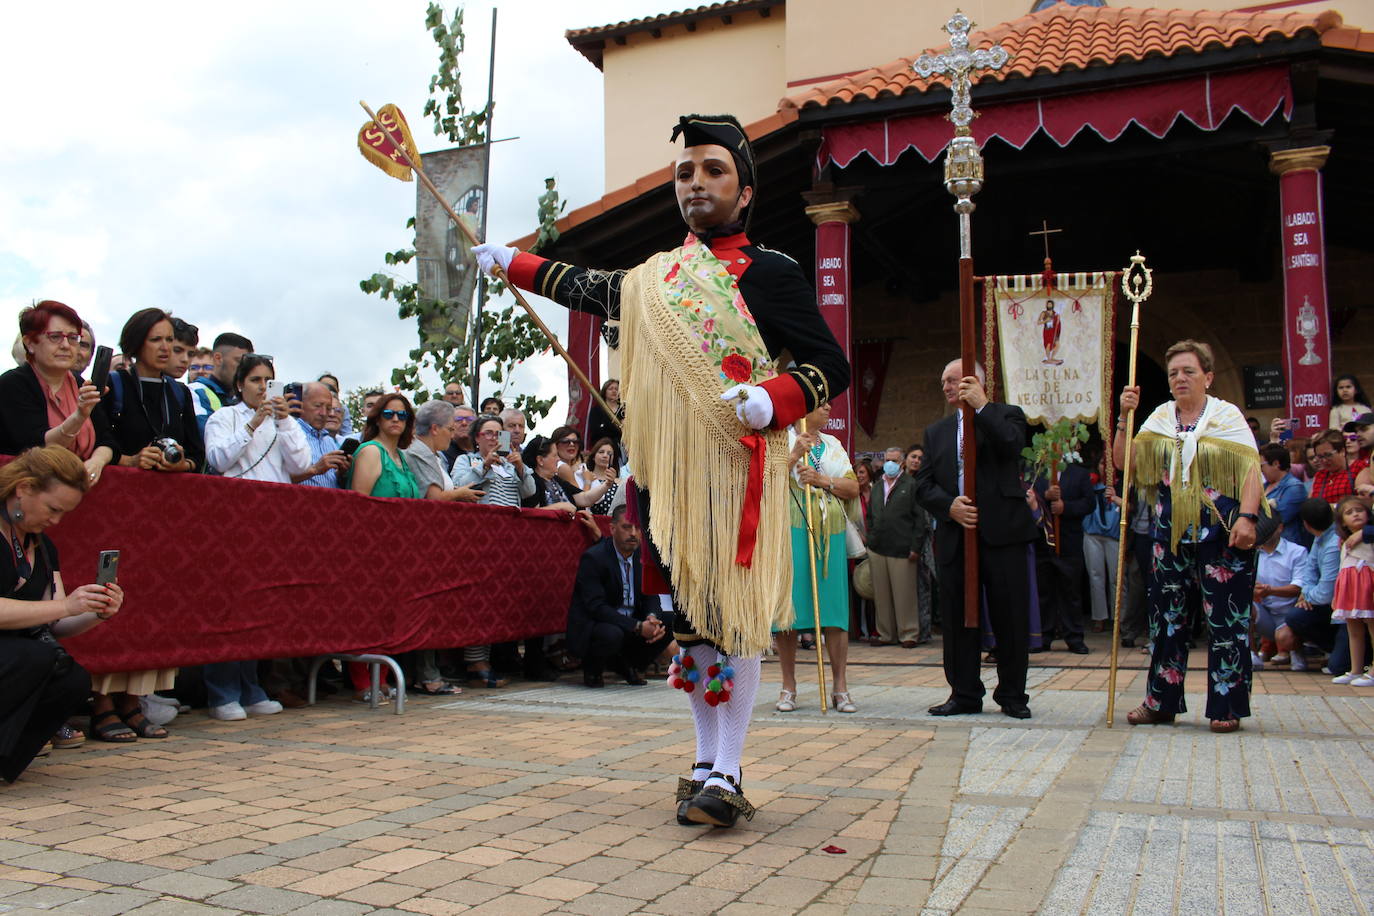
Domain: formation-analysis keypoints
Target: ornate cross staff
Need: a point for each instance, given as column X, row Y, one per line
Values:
column 1137, row 284
column 963, row 179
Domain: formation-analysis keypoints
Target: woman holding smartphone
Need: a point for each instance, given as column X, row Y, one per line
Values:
column 502, row 483
column 43, row 684
column 256, row 439
column 44, row 401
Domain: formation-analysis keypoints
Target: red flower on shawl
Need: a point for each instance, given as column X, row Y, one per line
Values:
column 737, row 368
column 672, row 273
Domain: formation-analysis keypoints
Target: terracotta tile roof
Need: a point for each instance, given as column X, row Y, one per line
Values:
column 655, row 179
column 590, row 42
column 1062, row 38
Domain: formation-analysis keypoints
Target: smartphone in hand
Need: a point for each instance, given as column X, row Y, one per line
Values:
column 107, row 567
column 100, row 367
column 503, row 443
column 275, row 388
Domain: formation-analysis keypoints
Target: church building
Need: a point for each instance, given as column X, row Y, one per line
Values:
column 1232, row 147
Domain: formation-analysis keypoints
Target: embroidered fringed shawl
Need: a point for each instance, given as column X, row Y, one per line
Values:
column 1218, row 453
column 688, row 336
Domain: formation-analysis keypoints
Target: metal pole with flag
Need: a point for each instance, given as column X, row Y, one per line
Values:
column 963, row 179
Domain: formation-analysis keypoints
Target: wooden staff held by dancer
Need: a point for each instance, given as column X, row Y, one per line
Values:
column 400, row 145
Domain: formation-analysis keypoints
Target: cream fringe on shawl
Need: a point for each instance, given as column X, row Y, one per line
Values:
column 686, row 452
column 1222, row 452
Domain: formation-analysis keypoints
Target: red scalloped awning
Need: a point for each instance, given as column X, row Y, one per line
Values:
column 1205, row 100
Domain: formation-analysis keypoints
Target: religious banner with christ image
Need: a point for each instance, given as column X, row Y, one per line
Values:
column 1054, row 344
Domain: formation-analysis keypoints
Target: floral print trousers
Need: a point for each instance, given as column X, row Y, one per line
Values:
column 1223, row 580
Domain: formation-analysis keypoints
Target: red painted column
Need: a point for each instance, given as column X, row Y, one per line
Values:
column 833, row 296
column 1307, row 324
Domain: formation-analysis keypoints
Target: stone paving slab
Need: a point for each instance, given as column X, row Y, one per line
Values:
column 556, row 798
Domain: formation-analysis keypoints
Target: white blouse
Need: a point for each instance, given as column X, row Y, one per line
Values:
column 274, row 452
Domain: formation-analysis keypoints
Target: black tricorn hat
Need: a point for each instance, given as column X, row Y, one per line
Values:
column 719, row 130
column 726, row 131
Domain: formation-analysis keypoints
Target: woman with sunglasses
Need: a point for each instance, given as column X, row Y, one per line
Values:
column 44, row 401
column 256, row 438
column 572, row 470
column 379, row 468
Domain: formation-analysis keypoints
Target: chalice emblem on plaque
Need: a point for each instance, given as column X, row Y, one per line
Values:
column 1307, row 330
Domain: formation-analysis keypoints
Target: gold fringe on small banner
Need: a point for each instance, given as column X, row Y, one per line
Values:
column 686, row 452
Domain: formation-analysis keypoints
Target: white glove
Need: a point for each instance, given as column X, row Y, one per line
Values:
column 753, row 406
column 489, row 256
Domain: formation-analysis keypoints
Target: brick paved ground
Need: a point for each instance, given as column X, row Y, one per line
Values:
column 558, row 799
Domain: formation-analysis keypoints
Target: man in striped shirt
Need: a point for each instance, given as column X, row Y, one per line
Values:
column 329, row 461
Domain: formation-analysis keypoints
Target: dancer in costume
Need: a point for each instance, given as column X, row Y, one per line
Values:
column 707, row 408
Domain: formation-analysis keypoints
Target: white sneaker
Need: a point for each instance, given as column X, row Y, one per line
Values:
column 1363, row 680
column 1345, row 678
column 1297, row 662
column 1256, row 661
column 229, row 712
column 159, row 698
column 265, row 708
column 157, row 713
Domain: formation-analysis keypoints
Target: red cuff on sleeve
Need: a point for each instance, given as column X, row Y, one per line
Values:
column 523, row 267
column 789, row 404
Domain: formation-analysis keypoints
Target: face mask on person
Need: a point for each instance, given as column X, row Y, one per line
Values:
column 891, row 468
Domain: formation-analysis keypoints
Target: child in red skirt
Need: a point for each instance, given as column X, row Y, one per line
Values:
column 1354, row 598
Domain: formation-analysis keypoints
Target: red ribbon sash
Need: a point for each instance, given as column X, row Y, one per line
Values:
column 753, row 499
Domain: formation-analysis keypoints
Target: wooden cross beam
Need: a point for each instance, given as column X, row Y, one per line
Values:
column 1045, row 232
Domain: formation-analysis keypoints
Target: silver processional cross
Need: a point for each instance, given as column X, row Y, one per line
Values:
column 963, row 163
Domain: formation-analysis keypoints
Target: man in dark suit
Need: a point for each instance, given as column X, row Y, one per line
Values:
column 611, row 622
column 1005, row 526
column 1059, row 576
column 897, row 528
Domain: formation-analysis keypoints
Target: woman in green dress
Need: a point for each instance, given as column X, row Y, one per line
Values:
column 819, row 464
column 379, row 468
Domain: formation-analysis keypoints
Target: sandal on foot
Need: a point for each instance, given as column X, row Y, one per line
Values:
column 687, row 790
column 68, row 737
column 719, row 807
column 787, row 701
column 141, row 726
column 486, row 679
column 842, row 703
column 106, row 726
column 443, row 690
column 1225, row 726
column 1144, row 715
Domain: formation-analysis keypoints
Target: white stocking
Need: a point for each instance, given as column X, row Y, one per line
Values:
column 703, row 716
column 732, row 718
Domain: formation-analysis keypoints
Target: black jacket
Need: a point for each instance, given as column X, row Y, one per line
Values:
column 24, row 414
column 1003, row 516
column 1076, row 490
column 774, row 287
column 897, row 525
column 597, row 592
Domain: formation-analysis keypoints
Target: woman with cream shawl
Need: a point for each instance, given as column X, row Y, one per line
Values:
column 1195, row 458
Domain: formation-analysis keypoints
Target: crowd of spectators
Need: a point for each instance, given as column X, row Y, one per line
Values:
column 163, row 403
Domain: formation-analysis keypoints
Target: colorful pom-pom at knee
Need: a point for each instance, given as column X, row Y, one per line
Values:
column 727, row 672
column 693, row 676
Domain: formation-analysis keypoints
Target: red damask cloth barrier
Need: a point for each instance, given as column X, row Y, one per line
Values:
column 224, row 570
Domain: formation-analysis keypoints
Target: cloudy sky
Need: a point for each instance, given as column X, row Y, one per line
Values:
column 203, row 159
